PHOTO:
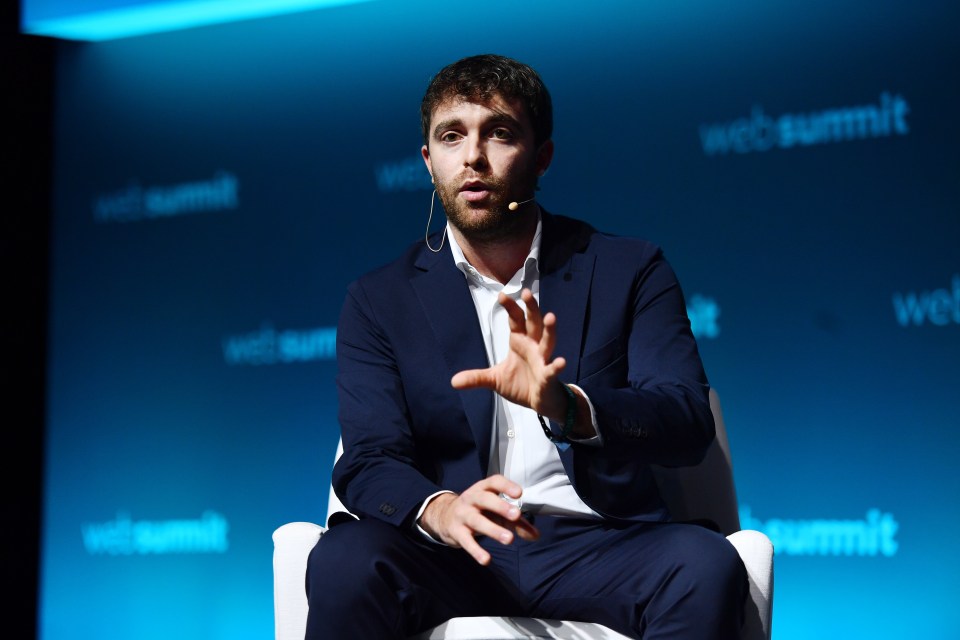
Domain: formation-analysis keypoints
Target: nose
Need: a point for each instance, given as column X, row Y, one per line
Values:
column 475, row 154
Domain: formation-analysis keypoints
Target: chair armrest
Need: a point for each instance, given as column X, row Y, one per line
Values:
column 756, row 551
column 292, row 544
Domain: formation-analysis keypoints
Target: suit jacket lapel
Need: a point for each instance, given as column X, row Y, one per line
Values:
column 450, row 311
column 566, row 277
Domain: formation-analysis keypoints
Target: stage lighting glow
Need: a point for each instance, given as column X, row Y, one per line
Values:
column 111, row 23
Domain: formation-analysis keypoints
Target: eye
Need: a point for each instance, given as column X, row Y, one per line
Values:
column 501, row 133
column 449, row 136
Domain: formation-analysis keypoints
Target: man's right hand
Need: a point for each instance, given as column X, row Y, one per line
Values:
column 457, row 519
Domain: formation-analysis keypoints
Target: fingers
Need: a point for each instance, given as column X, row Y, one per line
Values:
column 473, row 378
column 534, row 324
column 506, row 517
column 487, row 496
column 549, row 339
column 471, row 546
column 522, row 528
column 463, row 380
column 483, row 512
column 529, row 323
column 516, row 316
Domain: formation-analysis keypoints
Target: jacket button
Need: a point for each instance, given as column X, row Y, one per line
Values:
column 387, row 509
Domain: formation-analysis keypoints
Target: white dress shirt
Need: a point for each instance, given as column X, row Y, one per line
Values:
column 519, row 449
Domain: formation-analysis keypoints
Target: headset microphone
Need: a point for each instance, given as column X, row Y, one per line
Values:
column 513, row 206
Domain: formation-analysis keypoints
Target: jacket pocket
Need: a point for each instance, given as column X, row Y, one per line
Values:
column 608, row 358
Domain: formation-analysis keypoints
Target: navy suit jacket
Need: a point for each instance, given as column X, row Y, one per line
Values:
column 622, row 326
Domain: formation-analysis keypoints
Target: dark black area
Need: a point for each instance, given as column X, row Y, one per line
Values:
column 27, row 81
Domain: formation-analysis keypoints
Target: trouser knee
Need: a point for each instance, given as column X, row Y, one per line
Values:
column 343, row 562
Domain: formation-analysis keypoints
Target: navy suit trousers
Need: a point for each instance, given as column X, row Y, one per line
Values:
column 368, row 579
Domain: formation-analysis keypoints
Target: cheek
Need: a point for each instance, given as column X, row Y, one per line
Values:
column 442, row 168
column 441, row 178
column 519, row 168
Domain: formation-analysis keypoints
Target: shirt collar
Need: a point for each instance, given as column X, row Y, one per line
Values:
column 529, row 272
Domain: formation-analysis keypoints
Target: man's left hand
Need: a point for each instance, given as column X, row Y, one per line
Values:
column 528, row 375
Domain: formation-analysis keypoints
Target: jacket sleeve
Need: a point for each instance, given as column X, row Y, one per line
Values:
column 647, row 382
column 378, row 474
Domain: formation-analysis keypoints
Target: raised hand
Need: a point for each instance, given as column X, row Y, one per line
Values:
column 528, row 375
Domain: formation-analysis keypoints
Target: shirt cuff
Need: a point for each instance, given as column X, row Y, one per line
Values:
column 595, row 440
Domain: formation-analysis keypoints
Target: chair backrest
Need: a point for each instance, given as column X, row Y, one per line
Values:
column 333, row 502
column 706, row 491
column 703, row 492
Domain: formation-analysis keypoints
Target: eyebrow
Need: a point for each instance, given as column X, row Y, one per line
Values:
column 444, row 125
column 496, row 118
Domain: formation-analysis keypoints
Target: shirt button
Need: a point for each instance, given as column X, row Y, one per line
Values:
column 511, row 433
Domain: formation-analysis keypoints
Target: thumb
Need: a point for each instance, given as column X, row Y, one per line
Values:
column 471, row 379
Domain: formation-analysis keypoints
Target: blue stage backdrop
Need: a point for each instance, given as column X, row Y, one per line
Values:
column 218, row 187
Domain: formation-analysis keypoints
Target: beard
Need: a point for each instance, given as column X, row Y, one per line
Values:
column 487, row 222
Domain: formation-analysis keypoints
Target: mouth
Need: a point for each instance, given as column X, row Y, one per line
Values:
column 475, row 191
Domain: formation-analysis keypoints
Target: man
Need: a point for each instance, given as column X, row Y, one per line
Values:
column 498, row 457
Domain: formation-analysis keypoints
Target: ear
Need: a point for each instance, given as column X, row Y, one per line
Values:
column 425, row 152
column 544, row 157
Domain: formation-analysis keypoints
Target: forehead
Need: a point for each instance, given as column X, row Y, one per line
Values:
column 461, row 110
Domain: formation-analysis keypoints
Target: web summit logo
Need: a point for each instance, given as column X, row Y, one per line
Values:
column 268, row 346
column 939, row 307
column 873, row 535
column 761, row 132
column 137, row 203
column 704, row 313
column 409, row 174
column 124, row 536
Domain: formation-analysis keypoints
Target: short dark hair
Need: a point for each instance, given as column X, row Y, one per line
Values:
column 484, row 76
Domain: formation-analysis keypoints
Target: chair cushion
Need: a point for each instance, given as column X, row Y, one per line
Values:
column 497, row 628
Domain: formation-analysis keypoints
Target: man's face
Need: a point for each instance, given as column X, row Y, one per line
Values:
column 482, row 157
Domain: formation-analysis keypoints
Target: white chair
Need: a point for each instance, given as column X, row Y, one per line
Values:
column 703, row 492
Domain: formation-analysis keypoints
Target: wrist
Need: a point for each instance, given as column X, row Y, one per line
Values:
column 570, row 412
column 432, row 514
column 565, row 416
